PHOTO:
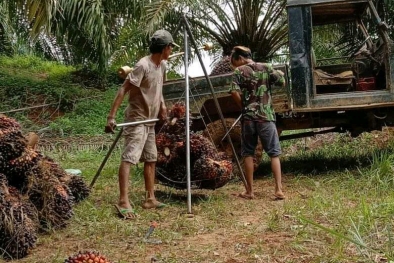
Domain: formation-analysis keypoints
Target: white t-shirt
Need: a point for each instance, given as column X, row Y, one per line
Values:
column 145, row 98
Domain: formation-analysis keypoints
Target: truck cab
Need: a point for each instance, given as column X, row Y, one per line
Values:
column 353, row 92
column 360, row 80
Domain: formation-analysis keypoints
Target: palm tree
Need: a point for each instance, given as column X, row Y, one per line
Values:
column 80, row 31
column 15, row 14
column 258, row 24
column 90, row 28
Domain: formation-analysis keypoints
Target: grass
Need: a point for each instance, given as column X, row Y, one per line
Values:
column 331, row 215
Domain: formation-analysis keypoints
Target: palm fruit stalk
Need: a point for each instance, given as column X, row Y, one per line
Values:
column 166, row 148
column 18, row 222
column 87, row 257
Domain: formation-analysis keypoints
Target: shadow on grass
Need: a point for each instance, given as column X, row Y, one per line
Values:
column 316, row 163
column 180, row 196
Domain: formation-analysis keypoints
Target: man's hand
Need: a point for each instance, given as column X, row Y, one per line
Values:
column 163, row 113
column 111, row 124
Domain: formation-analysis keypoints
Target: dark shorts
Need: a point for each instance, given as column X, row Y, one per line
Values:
column 268, row 134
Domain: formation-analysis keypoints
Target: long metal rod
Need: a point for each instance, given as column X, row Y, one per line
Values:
column 232, row 127
column 136, row 122
column 192, row 40
column 106, row 157
column 207, row 46
column 188, row 176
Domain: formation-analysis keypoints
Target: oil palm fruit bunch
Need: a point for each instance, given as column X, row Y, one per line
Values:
column 18, row 168
column 178, row 110
column 79, row 189
column 201, row 145
column 24, row 162
column 166, row 148
column 12, row 143
column 53, row 201
column 175, row 128
column 171, row 147
column 213, row 173
column 176, row 123
column 8, row 123
column 87, row 257
column 18, row 222
column 222, row 67
column 175, row 172
column 34, row 192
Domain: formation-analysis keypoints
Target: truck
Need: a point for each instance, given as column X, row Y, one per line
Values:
column 353, row 93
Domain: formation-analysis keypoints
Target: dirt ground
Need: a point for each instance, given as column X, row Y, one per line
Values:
column 245, row 231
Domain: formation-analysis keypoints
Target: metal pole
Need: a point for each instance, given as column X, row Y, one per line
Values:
column 106, row 157
column 136, row 122
column 215, row 99
column 186, row 58
column 232, row 127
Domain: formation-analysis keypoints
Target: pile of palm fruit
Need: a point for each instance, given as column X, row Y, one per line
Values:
column 209, row 169
column 87, row 257
column 36, row 194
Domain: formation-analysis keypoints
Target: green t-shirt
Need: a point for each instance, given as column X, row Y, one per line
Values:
column 254, row 82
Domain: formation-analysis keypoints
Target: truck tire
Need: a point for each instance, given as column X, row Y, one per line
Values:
column 215, row 132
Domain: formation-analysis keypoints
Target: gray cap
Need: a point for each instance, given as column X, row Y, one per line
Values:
column 162, row 37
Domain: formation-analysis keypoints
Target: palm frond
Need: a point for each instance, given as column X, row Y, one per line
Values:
column 6, row 29
column 156, row 13
column 39, row 13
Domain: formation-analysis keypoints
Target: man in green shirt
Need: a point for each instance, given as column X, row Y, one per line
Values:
column 251, row 90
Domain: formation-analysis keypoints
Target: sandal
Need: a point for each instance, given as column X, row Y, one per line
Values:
column 126, row 213
column 279, row 197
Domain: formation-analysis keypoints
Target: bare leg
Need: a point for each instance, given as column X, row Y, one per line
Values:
column 249, row 169
column 124, row 172
column 276, row 170
column 149, row 176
